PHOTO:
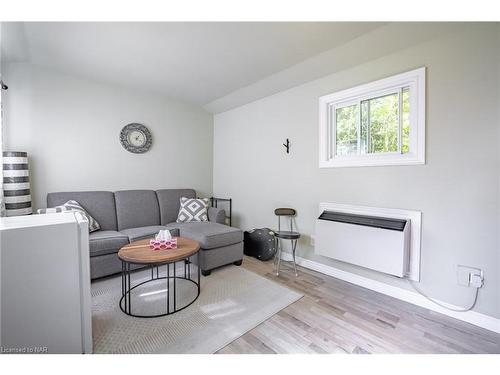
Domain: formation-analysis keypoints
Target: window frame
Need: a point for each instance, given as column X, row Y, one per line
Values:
column 328, row 104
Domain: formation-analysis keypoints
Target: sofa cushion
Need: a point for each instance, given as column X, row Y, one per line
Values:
column 99, row 204
column 106, row 242
column 136, row 208
column 210, row 235
column 140, row 233
column 169, row 202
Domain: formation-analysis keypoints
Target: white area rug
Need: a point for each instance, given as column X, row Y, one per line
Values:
column 232, row 302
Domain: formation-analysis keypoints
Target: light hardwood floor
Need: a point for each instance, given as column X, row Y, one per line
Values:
column 338, row 317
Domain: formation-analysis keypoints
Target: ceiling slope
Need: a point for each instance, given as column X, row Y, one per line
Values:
column 195, row 62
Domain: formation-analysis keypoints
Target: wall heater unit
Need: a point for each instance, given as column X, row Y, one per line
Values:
column 375, row 242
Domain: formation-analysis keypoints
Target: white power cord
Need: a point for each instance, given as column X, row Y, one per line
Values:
column 440, row 304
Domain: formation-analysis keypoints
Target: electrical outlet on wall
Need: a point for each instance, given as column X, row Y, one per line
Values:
column 470, row 276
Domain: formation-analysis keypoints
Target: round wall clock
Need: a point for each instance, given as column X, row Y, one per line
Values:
column 136, row 138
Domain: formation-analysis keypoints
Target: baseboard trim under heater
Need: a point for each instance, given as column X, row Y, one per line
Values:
column 380, row 242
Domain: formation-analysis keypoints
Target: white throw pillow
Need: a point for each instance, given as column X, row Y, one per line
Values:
column 73, row 206
column 193, row 210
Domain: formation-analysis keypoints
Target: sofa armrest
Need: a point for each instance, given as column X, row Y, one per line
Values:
column 217, row 215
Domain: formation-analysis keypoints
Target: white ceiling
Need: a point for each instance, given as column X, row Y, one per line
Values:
column 381, row 42
column 194, row 62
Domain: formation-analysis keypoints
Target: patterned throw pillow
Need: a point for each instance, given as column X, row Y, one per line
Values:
column 193, row 210
column 52, row 210
column 73, row 206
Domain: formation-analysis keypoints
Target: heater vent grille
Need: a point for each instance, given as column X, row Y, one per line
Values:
column 368, row 221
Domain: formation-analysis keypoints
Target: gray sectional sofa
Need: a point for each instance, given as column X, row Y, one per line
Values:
column 129, row 215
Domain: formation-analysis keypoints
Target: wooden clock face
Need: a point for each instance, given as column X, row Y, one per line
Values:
column 136, row 138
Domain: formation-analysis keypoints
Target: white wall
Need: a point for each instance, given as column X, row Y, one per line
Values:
column 457, row 189
column 70, row 128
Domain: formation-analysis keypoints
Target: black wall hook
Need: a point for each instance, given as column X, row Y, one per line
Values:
column 287, row 146
column 3, row 86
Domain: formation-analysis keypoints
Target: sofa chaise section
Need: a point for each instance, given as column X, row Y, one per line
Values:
column 219, row 244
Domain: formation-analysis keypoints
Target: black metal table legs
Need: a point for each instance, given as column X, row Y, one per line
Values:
column 171, row 285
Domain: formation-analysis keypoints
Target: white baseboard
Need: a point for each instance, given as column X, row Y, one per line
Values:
column 481, row 320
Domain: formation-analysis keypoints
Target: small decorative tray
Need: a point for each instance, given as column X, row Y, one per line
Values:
column 162, row 244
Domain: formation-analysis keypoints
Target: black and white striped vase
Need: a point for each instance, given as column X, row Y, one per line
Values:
column 16, row 183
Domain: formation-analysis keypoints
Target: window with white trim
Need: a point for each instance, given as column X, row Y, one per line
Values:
column 378, row 123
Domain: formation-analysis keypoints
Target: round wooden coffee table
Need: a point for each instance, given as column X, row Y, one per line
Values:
column 139, row 253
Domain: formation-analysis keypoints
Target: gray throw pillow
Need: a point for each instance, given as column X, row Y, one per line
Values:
column 73, row 206
column 193, row 210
